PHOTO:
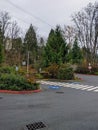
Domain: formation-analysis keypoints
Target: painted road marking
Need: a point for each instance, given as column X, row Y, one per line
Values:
column 54, row 87
column 94, row 88
column 70, row 85
column 85, row 88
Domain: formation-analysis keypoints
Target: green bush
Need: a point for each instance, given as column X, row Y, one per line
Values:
column 85, row 70
column 45, row 74
column 52, row 70
column 82, row 70
column 39, row 76
column 96, row 73
column 16, row 82
column 94, row 69
column 65, row 73
column 7, row 70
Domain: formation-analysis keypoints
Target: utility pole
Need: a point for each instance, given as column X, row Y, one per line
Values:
column 28, row 55
column 96, row 31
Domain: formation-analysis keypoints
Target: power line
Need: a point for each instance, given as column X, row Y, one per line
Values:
column 32, row 15
column 21, row 20
column 18, row 18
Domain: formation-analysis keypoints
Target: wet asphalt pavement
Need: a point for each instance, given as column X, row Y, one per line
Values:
column 70, row 109
column 89, row 79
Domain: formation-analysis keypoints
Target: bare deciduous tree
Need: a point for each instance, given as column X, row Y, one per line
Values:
column 4, row 21
column 13, row 54
column 69, row 34
column 86, row 25
column 14, row 30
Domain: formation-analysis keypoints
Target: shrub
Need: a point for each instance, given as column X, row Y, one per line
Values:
column 22, row 71
column 39, row 76
column 45, row 74
column 7, row 70
column 52, row 70
column 31, row 79
column 16, row 82
column 94, row 69
column 85, row 70
column 65, row 72
column 82, row 70
column 59, row 72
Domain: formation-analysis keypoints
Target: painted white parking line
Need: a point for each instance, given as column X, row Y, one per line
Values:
column 60, row 84
column 79, row 87
column 85, row 88
column 71, row 85
column 94, row 88
column 66, row 85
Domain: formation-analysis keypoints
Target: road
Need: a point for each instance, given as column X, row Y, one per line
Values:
column 89, row 79
column 59, row 109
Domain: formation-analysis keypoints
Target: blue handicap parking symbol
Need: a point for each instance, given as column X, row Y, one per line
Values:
column 54, row 87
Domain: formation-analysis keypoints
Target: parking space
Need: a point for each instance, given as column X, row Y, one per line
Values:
column 58, row 109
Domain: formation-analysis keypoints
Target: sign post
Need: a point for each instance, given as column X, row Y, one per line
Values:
column 89, row 67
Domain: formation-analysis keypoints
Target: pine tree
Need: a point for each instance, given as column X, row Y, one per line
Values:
column 1, row 48
column 56, row 48
column 76, row 53
column 30, row 43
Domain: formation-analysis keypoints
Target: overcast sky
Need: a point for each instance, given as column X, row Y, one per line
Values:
column 44, row 14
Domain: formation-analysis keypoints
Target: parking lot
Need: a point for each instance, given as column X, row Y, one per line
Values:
column 64, row 108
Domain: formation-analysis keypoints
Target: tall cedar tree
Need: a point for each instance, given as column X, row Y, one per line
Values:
column 56, row 48
column 30, row 43
column 76, row 53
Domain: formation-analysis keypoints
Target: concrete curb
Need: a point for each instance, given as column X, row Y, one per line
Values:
column 20, row 92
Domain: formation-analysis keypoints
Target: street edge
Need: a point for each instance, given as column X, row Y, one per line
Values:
column 20, row 92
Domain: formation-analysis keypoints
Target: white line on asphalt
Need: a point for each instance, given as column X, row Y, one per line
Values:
column 71, row 85
column 66, row 85
column 94, row 88
column 79, row 87
column 85, row 88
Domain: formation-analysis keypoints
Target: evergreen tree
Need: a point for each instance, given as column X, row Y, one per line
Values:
column 1, row 48
column 30, row 43
column 56, row 48
column 1, row 54
column 76, row 53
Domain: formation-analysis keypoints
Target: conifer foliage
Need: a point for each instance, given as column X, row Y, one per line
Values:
column 56, row 49
column 1, row 48
column 76, row 54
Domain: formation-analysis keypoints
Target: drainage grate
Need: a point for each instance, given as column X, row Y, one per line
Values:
column 35, row 126
column 60, row 92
